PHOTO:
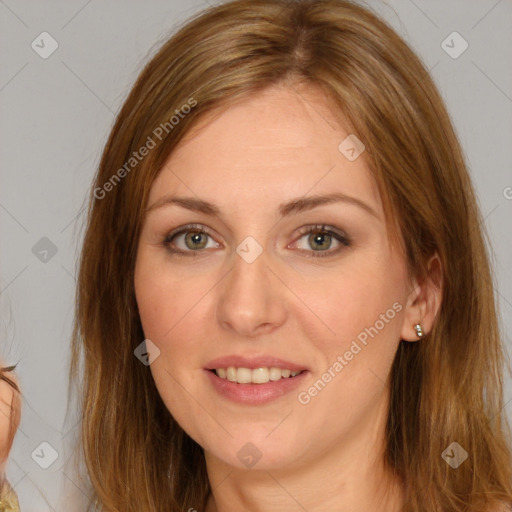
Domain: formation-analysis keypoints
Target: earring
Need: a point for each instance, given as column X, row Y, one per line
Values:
column 419, row 330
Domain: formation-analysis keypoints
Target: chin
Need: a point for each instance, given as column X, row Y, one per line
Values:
column 256, row 452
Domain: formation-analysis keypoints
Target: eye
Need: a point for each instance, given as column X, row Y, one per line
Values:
column 321, row 237
column 193, row 236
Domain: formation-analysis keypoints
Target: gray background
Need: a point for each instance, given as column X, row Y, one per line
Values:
column 56, row 114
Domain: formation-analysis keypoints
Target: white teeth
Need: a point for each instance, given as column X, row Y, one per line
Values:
column 275, row 373
column 231, row 374
column 260, row 375
column 255, row 376
column 243, row 375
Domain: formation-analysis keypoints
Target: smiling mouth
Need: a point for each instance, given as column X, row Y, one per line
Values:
column 254, row 376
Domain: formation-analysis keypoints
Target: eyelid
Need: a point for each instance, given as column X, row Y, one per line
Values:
column 188, row 227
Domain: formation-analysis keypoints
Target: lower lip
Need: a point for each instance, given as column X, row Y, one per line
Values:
column 255, row 394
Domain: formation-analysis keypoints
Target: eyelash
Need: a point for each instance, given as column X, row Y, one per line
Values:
column 317, row 229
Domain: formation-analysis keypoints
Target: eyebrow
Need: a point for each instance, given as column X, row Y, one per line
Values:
column 292, row 207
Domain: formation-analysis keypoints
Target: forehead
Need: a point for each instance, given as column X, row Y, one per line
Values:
column 282, row 142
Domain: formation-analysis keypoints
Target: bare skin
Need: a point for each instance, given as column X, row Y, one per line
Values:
column 318, row 456
column 10, row 415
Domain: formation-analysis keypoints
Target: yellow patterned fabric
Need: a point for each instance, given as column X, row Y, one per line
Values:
column 8, row 499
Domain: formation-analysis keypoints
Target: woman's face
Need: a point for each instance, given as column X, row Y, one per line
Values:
column 259, row 294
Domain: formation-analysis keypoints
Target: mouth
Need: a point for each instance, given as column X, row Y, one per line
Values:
column 254, row 379
column 255, row 386
column 262, row 375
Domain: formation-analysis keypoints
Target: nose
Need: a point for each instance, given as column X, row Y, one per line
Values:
column 252, row 298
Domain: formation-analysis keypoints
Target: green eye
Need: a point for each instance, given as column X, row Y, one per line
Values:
column 319, row 237
column 195, row 239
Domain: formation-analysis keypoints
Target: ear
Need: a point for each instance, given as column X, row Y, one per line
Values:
column 423, row 301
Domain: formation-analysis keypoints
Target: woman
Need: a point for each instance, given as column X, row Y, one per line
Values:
column 284, row 293
column 10, row 415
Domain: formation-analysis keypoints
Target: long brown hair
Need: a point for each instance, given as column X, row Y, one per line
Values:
column 446, row 388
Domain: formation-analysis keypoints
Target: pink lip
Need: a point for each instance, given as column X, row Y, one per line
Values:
column 253, row 362
column 254, row 394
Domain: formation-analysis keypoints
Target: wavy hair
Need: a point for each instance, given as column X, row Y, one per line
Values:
column 447, row 387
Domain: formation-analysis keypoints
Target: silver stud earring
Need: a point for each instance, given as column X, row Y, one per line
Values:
column 419, row 330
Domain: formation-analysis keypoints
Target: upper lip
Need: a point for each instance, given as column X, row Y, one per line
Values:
column 253, row 362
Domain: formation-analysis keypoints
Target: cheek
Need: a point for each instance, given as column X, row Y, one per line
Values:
column 354, row 298
column 175, row 312
column 361, row 309
column 153, row 301
column 169, row 312
column 165, row 299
